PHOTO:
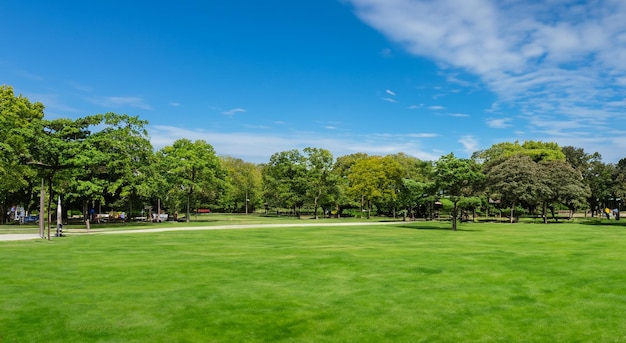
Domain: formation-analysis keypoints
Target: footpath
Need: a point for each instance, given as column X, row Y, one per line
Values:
column 16, row 237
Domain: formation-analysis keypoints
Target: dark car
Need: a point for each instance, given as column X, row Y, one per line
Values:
column 31, row 219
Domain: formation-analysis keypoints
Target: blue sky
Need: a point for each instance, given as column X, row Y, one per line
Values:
column 378, row 76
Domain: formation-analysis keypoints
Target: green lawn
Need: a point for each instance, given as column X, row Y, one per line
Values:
column 412, row 282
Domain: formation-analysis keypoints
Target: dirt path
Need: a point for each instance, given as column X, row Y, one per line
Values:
column 15, row 237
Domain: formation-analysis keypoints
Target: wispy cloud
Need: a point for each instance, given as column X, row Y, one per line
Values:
column 436, row 108
column 499, row 123
column 120, row 101
column 259, row 146
column 415, row 107
column 234, row 111
column 390, row 92
column 54, row 105
column 391, row 100
column 563, row 57
column 470, row 144
column 174, row 104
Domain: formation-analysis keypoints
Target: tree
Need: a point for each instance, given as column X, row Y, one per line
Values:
column 341, row 170
column 537, row 151
column 515, row 179
column 18, row 117
column 374, row 178
column 600, row 182
column 321, row 180
column 245, row 182
column 456, row 178
column 563, row 184
column 57, row 150
column 414, row 193
column 284, row 179
column 192, row 169
column 118, row 161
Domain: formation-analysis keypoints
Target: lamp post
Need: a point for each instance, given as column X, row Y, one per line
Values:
column 247, row 202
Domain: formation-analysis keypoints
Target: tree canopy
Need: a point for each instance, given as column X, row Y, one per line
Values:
column 107, row 159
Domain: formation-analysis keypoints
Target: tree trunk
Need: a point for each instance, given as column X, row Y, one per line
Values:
column 362, row 204
column 315, row 207
column 188, row 208
column 454, row 216
column 49, row 205
column 512, row 212
column 545, row 212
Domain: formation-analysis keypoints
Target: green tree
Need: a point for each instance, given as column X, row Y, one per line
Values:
column 341, row 170
column 285, row 180
column 192, row 169
column 57, row 150
column 515, row 180
column 321, row 181
column 537, row 151
column 373, row 179
column 18, row 117
column 457, row 178
column 414, row 193
column 117, row 164
column 600, row 182
column 245, row 180
column 563, row 185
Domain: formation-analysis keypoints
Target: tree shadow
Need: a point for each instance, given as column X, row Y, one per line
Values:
column 604, row 222
column 434, row 226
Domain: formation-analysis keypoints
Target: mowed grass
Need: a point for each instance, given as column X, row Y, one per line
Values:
column 412, row 282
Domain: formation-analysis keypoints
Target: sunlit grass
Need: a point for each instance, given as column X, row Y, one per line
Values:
column 410, row 282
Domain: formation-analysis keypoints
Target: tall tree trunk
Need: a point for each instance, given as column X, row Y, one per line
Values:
column 188, row 210
column 362, row 204
column 315, row 204
column 512, row 212
column 454, row 209
column 49, row 205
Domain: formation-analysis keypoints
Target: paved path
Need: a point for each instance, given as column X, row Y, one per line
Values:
column 15, row 237
column 18, row 236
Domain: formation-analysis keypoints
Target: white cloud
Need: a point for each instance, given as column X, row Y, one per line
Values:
column 436, row 108
column 470, row 144
column 174, row 104
column 234, row 111
column 499, row 123
column 563, row 57
column 392, row 93
column 422, row 135
column 259, row 146
column 391, row 100
column 54, row 106
column 415, row 107
column 121, row 101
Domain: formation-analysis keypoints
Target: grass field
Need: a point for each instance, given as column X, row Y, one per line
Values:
column 411, row 282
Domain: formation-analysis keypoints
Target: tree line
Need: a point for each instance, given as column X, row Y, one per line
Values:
column 106, row 161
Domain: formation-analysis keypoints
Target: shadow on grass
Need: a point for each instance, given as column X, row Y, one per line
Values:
column 434, row 226
column 604, row 222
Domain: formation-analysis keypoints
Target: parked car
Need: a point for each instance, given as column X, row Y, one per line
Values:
column 31, row 219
